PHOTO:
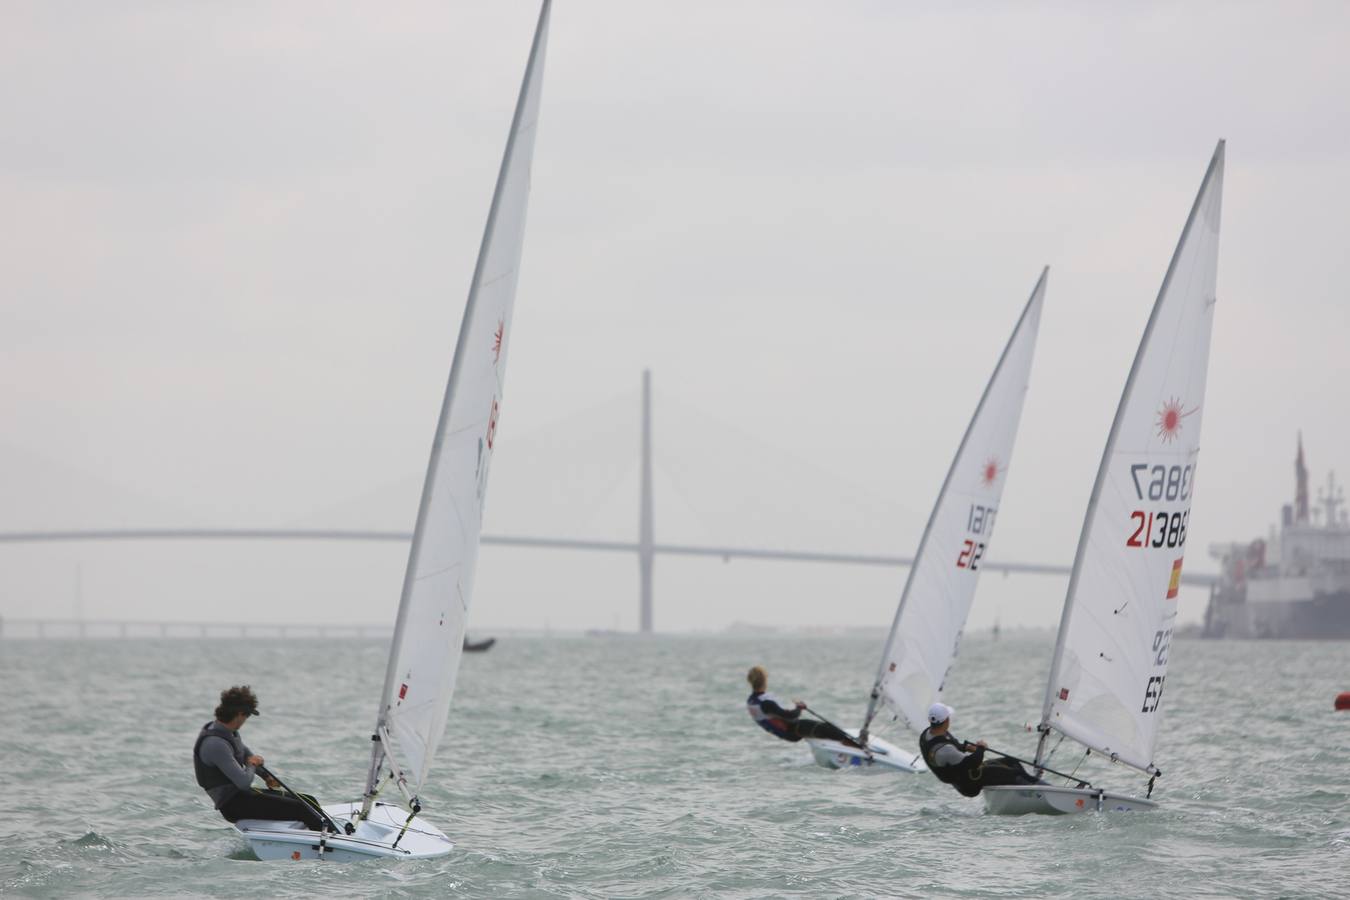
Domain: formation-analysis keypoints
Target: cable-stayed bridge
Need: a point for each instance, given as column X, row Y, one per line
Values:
column 645, row 547
column 648, row 552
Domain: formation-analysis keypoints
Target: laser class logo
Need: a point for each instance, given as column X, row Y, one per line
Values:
column 1170, row 419
column 989, row 474
column 497, row 341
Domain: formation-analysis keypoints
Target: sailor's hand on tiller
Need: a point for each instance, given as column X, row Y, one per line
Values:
column 800, row 704
column 254, row 761
column 273, row 783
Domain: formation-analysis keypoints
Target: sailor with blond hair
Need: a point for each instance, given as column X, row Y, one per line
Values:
column 785, row 721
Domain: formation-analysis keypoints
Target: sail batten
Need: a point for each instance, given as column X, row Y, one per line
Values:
column 1109, row 667
column 438, row 583
column 941, row 583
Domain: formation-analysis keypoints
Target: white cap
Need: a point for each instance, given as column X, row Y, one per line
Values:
column 939, row 713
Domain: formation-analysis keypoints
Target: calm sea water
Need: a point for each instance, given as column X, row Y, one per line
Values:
column 626, row 767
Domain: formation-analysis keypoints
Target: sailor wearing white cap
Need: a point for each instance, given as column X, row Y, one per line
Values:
column 939, row 713
column 961, row 763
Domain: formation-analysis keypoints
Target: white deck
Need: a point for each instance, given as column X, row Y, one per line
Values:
column 1044, row 799
column 373, row 838
column 885, row 756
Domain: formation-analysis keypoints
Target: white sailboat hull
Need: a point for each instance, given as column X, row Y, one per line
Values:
column 1043, row 799
column 374, row 838
column 885, row 758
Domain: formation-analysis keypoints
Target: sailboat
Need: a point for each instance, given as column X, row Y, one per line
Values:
column 938, row 592
column 482, row 646
column 1106, row 677
column 429, row 629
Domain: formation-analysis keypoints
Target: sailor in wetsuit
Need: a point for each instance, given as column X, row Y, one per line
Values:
column 780, row 721
column 225, row 767
column 961, row 763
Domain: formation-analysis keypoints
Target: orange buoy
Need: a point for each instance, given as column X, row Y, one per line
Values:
column 1343, row 700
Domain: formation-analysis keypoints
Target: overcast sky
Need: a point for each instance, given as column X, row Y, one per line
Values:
column 237, row 240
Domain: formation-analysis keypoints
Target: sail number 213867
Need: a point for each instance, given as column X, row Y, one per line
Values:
column 1161, row 528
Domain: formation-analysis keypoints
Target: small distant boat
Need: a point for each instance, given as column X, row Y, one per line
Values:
column 478, row 646
column 941, row 584
column 1106, row 676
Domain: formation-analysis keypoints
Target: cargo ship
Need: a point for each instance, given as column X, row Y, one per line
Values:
column 1294, row 584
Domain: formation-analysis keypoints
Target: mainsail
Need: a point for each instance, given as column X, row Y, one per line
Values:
column 941, row 584
column 438, row 584
column 1106, row 679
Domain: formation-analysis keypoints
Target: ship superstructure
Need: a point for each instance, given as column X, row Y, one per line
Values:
column 1296, row 582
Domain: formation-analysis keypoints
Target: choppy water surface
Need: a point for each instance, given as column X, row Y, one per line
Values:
column 628, row 767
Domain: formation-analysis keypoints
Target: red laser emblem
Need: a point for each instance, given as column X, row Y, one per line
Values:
column 1169, row 419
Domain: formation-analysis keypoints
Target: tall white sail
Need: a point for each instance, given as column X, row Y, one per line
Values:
column 1110, row 663
column 941, row 583
column 438, row 584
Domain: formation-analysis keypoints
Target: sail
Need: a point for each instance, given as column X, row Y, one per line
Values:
column 1110, row 664
column 941, row 583
column 438, row 585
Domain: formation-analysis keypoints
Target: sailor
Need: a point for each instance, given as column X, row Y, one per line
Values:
column 961, row 763
column 784, row 722
column 225, row 767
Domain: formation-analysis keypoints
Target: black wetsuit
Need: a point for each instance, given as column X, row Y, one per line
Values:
column 788, row 724
column 949, row 761
column 220, row 761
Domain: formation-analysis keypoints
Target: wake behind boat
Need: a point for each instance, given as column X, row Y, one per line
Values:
column 1110, row 662
column 940, row 588
column 429, row 630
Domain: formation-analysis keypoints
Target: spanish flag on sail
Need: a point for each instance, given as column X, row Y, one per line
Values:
column 1175, row 584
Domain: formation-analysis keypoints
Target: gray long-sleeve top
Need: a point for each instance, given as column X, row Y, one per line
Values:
column 948, row 755
column 225, row 750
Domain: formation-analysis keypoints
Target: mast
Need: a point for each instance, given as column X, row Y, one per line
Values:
column 1108, row 453
column 448, row 407
column 1300, row 486
column 646, row 524
column 874, row 698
